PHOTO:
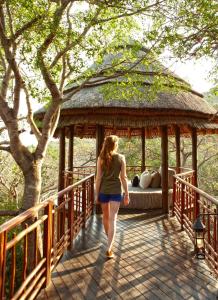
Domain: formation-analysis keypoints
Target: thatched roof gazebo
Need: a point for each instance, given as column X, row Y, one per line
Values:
column 90, row 112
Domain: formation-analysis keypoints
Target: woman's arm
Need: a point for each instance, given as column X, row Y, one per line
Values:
column 98, row 179
column 123, row 178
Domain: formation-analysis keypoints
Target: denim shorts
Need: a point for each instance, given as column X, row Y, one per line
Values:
column 105, row 198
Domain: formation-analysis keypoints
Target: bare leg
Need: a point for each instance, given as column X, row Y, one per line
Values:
column 114, row 207
column 105, row 210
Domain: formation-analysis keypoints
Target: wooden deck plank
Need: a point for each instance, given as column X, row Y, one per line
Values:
column 153, row 260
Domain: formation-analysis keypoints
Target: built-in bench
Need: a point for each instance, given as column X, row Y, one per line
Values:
column 146, row 199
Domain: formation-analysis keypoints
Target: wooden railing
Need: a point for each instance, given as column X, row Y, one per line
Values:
column 188, row 202
column 32, row 243
column 80, row 172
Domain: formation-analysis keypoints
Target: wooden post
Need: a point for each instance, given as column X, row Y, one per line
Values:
column 177, row 140
column 61, row 159
column 143, row 149
column 99, row 142
column 164, row 168
column 99, row 139
column 47, row 243
column 70, row 150
column 3, row 243
column 194, row 154
column 195, row 167
column 60, row 217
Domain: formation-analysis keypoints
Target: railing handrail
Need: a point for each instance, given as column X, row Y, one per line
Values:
column 185, row 173
column 30, row 212
column 199, row 191
column 72, row 186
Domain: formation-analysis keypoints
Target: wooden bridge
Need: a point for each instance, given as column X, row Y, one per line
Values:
column 154, row 257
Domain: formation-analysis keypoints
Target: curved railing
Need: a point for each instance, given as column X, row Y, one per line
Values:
column 32, row 243
column 80, row 172
column 190, row 201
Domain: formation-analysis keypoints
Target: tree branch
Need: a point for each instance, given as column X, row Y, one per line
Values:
column 138, row 11
column 7, row 149
column 6, row 43
column 4, row 143
column 77, row 41
column 30, row 119
column 27, row 26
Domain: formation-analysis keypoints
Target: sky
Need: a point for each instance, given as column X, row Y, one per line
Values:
column 197, row 73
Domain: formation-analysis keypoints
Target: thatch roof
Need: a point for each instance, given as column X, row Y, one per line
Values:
column 89, row 106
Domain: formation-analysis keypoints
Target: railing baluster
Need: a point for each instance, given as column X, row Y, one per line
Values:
column 84, row 203
column 13, row 268
column 3, row 241
column 71, row 217
column 25, row 247
column 182, row 204
column 35, row 246
column 47, row 241
column 92, row 194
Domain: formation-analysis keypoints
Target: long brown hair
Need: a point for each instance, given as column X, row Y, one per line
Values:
column 108, row 147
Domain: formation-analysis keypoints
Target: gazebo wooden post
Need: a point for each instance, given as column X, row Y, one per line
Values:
column 70, row 151
column 143, row 149
column 195, row 166
column 99, row 142
column 177, row 140
column 164, row 167
column 61, row 159
column 99, row 139
column 60, row 216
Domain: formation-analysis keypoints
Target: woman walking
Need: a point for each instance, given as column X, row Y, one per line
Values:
column 111, row 173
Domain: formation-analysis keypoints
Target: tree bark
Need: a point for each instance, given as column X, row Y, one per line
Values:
column 32, row 184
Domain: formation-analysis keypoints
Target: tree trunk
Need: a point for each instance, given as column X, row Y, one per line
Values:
column 32, row 184
column 31, row 197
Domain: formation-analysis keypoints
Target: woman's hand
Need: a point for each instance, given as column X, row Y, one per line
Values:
column 126, row 199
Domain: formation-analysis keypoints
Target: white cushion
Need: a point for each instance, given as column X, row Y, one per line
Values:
column 171, row 173
column 145, row 180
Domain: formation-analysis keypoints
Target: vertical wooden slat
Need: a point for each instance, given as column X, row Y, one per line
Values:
column 177, row 140
column 47, row 241
column 13, row 268
column 35, row 246
column 215, row 231
column 143, row 149
column 164, row 168
column 174, row 196
column 182, row 204
column 92, row 194
column 25, row 247
column 71, row 218
column 84, row 203
column 3, row 241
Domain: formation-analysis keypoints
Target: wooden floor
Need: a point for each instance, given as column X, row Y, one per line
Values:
column 154, row 260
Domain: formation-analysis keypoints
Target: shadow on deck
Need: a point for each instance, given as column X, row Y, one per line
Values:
column 154, row 260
